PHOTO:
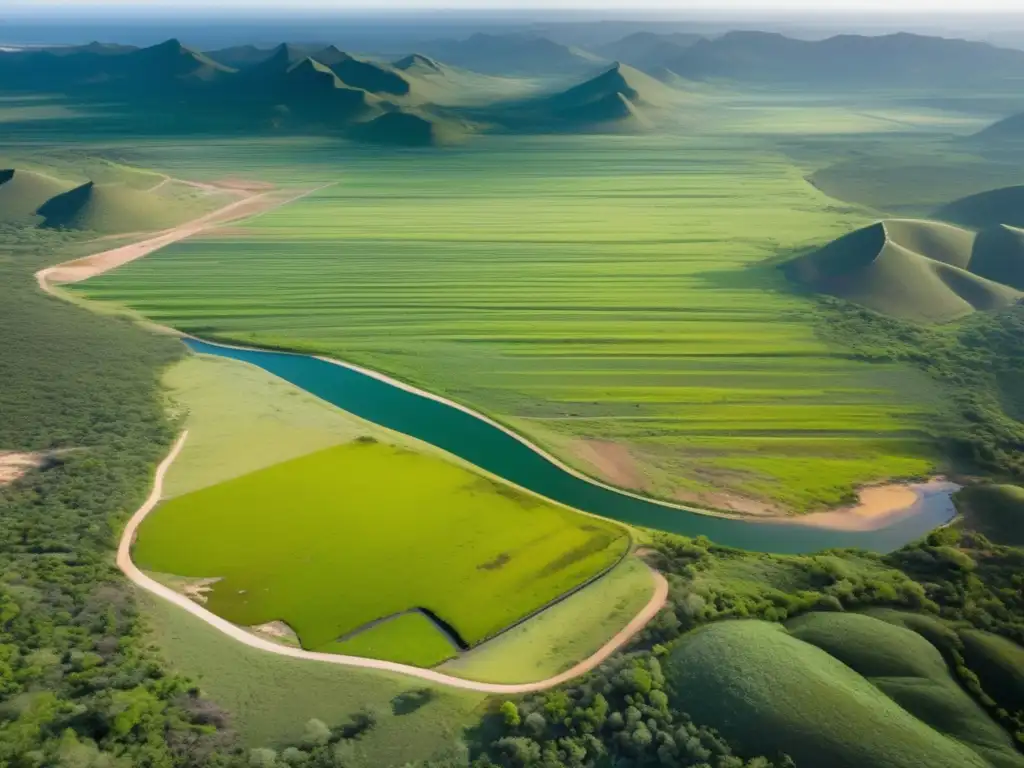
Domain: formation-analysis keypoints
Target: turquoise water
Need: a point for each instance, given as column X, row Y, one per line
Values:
column 492, row 449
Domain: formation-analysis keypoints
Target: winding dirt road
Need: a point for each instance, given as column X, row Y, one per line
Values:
column 124, row 562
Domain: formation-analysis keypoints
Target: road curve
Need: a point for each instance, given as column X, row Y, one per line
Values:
column 124, row 562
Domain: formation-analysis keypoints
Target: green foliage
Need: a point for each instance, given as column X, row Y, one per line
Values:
column 77, row 683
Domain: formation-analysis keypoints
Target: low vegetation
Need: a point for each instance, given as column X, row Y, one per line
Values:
column 425, row 533
column 994, row 510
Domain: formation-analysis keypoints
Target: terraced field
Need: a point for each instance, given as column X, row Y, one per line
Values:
column 604, row 296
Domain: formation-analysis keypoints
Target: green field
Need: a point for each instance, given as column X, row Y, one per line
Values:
column 564, row 634
column 579, row 289
column 334, row 540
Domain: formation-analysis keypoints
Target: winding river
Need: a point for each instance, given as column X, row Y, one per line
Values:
column 481, row 442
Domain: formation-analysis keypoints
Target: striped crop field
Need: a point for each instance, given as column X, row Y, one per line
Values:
column 605, row 296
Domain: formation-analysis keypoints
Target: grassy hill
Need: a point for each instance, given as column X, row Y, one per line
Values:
column 771, row 692
column 997, row 511
column 920, row 270
column 23, row 192
column 986, row 209
column 410, row 129
column 110, row 208
column 419, row 64
column 619, row 98
column 999, row 665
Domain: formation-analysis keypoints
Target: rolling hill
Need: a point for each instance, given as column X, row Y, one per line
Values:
column 620, row 98
column 895, row 60
column 513, row 54
column 110, row 208
column 23, row 192
column 770, row 692
column 986, row 209
column 919, row 270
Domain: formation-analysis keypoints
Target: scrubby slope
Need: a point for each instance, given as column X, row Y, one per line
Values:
column 23, row 192
column 919, row 270
column 986, row 209
column 110, row 208
column 997, row 511
column 771, row 693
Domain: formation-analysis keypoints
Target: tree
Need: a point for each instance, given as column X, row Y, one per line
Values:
column 510, row 713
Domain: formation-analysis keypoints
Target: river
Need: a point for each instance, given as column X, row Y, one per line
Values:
column 491, row 448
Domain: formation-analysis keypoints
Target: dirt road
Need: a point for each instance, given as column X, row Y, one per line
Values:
column 124, row 562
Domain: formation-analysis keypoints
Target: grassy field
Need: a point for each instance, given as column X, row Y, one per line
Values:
column 562, row 635
column 271, row 697
column 580, row 289
column 334, row 540
column 771, row 692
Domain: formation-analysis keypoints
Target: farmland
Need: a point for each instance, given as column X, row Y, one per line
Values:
column 332, row 541
column 583, row 290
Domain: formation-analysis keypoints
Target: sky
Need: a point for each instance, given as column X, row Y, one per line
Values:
column 679, row 7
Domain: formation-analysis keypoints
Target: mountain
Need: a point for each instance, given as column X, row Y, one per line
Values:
column 359, row 73
column 419, row 64
column 95, row 47
column 1008, row 129
column 620, row 97
column 512, row 55
column 897, row 60
column 986, row 209
column 170, row 59
column 240, row 56
column 276, row 63
column 23, row 192
column 919, row 270
column 648, row 51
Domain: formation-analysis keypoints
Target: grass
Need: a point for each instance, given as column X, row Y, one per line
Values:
column 925, row 271
column 576, row 288
column 911, row 671
column 997, row 511
column 271, row 697
column 412, row 638
column 770, row 692
column 241, row 419
column 562, row 635
column 332, row 541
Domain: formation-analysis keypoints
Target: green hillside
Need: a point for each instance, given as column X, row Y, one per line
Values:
column 772, row 693
column 999, row 665
column 23, row 192
column 997, row 511
column 409, row 129
column 987, row 209
column 110, row 208
column 419, row 64
column 1008, row 129
column 919, row 270
column 911, row 671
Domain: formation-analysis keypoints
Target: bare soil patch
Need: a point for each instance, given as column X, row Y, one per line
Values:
column 198, row 590
column 729, row 502
column 612, row 462
column 15, row 465
column 277, row 631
